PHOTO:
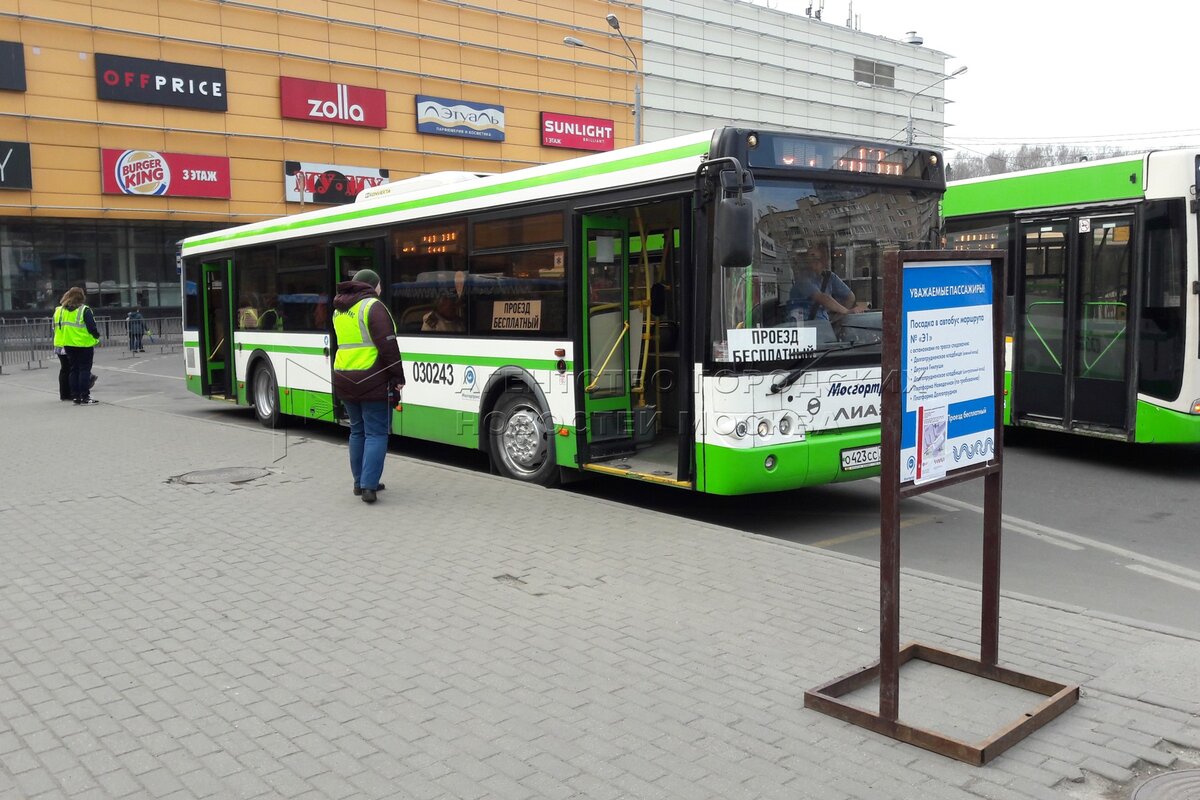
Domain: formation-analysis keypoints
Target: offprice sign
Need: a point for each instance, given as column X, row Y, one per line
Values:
column 947, row 354
column 161, row 83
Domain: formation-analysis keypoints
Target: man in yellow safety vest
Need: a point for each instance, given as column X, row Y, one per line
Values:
column 366, row 370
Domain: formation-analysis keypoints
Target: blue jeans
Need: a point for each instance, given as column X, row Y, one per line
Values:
column 370, row 423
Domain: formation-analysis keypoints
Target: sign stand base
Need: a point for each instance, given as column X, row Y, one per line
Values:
column 1060, row 697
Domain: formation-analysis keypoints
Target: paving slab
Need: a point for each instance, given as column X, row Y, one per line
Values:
column 469, row 636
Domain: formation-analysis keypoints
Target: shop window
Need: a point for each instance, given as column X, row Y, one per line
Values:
column 119, row 264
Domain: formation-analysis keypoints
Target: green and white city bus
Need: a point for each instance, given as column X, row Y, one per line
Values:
column 628, row 312
column 1103, row 333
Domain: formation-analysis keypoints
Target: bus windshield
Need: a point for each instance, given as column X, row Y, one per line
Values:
column 816, row 280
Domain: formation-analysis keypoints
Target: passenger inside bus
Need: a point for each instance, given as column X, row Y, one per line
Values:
column 247, row 315
column 446, row 316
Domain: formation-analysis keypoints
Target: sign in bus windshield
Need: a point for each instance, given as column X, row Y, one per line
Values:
column 841, row 155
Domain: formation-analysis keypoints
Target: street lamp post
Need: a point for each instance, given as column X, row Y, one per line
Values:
column 631, row 58
column 942, row 79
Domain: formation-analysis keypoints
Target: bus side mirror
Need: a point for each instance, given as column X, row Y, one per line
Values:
column 733, row 243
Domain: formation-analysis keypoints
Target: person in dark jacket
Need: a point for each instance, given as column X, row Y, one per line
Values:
column 366, row 370
column 76, row 325
column 137, row 329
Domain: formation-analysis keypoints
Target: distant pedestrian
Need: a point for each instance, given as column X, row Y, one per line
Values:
column 137, row 329
column 74, row 321
column 366, row 370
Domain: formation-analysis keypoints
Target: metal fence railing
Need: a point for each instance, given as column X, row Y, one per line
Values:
column 29, row 343
column 165, row 334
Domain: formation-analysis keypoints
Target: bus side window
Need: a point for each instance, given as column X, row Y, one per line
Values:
column 520, row 293
column 1161, row 329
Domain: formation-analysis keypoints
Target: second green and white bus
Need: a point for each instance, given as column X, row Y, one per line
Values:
column 1103, row 292
column 627, row 312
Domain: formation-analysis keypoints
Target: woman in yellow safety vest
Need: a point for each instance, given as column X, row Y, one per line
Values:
column 64, row 363
column 366, row 370
column 75, row 330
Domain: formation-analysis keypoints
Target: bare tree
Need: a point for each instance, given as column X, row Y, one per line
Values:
column 973, row 165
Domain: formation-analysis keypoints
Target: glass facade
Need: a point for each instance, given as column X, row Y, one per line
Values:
column 120, row 263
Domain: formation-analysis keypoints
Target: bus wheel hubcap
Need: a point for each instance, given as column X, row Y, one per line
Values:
column 524, row 440
column 262, row 394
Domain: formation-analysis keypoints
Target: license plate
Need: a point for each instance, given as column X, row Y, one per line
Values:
column 860, row 458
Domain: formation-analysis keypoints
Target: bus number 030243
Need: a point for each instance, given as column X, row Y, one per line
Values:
column 424, row 372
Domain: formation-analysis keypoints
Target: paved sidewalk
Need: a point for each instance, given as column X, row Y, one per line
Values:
column 470, row 637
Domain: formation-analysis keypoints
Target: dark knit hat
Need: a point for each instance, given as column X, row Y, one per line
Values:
column 367, row 276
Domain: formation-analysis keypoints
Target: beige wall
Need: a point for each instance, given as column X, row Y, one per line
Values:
column 493, row 51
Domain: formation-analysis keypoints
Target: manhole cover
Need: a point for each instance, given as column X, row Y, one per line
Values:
column 1182, row 784
column 223, row 475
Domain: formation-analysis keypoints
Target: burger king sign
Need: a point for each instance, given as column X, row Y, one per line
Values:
column 151, row 173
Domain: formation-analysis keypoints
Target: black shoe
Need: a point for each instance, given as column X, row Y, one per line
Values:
column 92, row 381
column 358, row 491
column 77, row 401
column 66, row 399
column 88, row 402
column 368, row 495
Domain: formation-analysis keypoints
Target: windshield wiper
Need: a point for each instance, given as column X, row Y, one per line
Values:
column 795, row 375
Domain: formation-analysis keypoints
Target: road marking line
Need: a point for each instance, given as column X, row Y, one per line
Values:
column 935, row 503
column 868, row 533
column 946, row 504
column 1029, row 528
column 1153, row 573
column 1041, row 537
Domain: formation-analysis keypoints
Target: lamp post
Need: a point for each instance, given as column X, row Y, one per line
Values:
column 631, row 58
column 942, row 79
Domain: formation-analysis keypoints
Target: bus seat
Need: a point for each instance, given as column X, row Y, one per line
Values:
column 411, row 319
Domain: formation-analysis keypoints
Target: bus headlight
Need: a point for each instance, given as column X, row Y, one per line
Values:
column 1196, row 406
column 785, row 425
column 764, row 427
column 739, row 430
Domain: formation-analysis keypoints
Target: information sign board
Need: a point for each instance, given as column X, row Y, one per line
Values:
column 947, row 371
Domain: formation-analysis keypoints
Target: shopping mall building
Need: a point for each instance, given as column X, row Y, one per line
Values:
column 126, row 125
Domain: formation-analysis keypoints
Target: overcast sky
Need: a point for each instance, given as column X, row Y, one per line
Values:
column 1079, row 72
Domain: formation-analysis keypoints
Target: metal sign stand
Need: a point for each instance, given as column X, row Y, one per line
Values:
column 826, row 698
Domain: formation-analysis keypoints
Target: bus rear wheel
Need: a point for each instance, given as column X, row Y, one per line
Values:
column 265, row 396
column 521, row 439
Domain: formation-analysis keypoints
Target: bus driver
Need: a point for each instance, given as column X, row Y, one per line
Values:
column 817, row 292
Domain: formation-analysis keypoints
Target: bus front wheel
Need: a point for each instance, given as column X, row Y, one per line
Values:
column 522, row 439
column 266, row 396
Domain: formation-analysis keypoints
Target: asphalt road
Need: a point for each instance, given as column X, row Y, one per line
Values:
column 1096, row 524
